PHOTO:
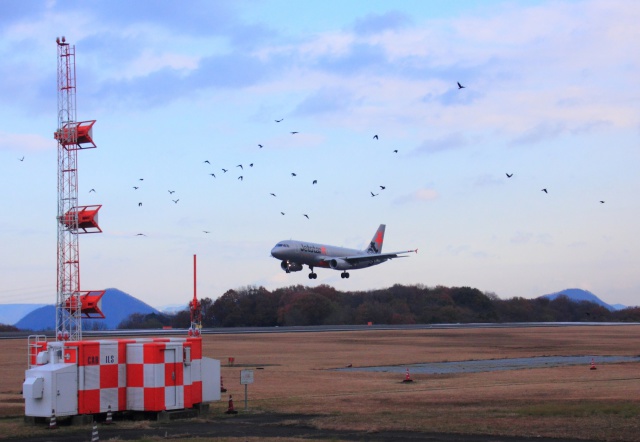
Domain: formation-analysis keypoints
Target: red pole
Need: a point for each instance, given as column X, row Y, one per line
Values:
column 195, row 299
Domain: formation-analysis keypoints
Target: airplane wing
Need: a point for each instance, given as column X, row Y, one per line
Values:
column 370, row 256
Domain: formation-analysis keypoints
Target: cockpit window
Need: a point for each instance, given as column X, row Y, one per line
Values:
column 282, row 245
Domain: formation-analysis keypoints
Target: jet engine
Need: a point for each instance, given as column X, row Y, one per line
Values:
column 339, row 264
column 289, row 266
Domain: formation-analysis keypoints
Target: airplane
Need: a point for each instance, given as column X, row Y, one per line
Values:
column 294, row 254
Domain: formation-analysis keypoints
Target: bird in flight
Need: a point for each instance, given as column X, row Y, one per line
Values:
column 136, row 187
column 260, row 146
column 382, row 187
column 92, row 190
column 460, row 86
column 375, row 137
column 282, row 213
column 305, row 215
column 315, row 182
column 21, row 159
column 293, row 174
column 240, row 166
column 272, row 194
column 277, row 121
column 140, row 234
column 171, row 191
column 176, row 201
column 373, row 194
column 250, row 164
column 395, row 151
column 240, row 178
column 206, row 161
column 601, row 202
column 545, row 190
column 141, row 179
column 139, row 204
column 224, row 170
column 213, row 174
column 206, row 231
column 509, row 175
column 293, row 133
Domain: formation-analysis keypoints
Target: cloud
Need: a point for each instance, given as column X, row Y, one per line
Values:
column 420, row 195
column 358, row 58
column 325, row 100
column 449, row 142
column 25, row 142
column 541, row 132
column 378, row 23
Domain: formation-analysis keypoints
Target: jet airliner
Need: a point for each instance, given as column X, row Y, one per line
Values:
column 294, row 254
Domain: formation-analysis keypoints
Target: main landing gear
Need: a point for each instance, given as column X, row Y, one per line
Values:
column 344, row 274
column 312, row 275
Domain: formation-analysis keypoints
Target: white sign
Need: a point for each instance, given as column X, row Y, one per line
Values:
column 246, row 377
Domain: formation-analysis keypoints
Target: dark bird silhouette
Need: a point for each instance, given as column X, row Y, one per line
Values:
column 305, row 215
column 213, row 174
column 315, row 182
column 139, row 204
column 250, row 164
column 374, row 194
column 136, row 187
column 395, row 151
column 171, row 192
column 206, row 231
column 176, row 201
column 140, row 234
column 545, row 190
column 382, row 187
column 21, row 159
column 460, row 86
column 509, row 175
column 240, row 178
column 293, row 133
column 260, row 146
column 293, row 174
column 240, row 166
column 282, row 213
column 224, row 170
column 141, row 179
column 375, row 137
column 207, row 161
column 277, row 121
column 601, row 202
column 92, row 190
column 272, row 194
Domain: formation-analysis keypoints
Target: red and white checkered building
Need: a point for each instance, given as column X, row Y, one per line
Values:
column 149, row 374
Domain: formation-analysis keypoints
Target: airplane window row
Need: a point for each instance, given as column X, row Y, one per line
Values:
column 282, row 245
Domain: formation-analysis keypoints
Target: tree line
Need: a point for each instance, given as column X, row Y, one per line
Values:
column 400, row 304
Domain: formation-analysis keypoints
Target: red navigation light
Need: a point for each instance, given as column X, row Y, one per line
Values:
column 90, row 304
column 87, row 218
column 76, row 135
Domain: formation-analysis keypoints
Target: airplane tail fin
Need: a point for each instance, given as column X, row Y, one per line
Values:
column 375, row 246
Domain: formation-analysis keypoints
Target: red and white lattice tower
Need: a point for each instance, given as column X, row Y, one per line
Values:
column 72, row 304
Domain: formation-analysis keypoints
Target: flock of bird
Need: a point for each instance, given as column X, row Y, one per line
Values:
column 242, row 171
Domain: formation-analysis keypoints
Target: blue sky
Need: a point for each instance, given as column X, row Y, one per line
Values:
column 550, row 95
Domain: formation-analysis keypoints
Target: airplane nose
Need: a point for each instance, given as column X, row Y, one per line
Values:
column 275, row 252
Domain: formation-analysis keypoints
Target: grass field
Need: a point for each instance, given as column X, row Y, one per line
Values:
column 293, row 375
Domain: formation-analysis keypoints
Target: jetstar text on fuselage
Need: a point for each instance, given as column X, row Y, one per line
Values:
column 312, row 249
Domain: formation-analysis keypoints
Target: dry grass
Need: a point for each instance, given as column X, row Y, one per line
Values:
column 296, row 378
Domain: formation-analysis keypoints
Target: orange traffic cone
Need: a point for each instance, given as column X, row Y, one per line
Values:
column 222, row 389
column 52, row 422
column 593, row 365
column 231, row 410
column 109, row 419
column 407, row 377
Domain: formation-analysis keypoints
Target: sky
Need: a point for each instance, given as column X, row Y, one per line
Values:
column 550, row 95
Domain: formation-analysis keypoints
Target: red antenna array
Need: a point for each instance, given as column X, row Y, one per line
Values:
column 72, row 136
column 195, row 307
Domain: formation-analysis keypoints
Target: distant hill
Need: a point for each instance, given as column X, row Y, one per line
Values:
column 579, row 295
column 172, row 309
column 116, row 305
column 12, row 313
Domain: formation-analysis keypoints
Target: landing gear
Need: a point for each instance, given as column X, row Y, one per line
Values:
column 312, row 275
column 344, row 274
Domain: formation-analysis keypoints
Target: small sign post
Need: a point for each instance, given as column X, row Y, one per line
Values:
column 246, row 378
